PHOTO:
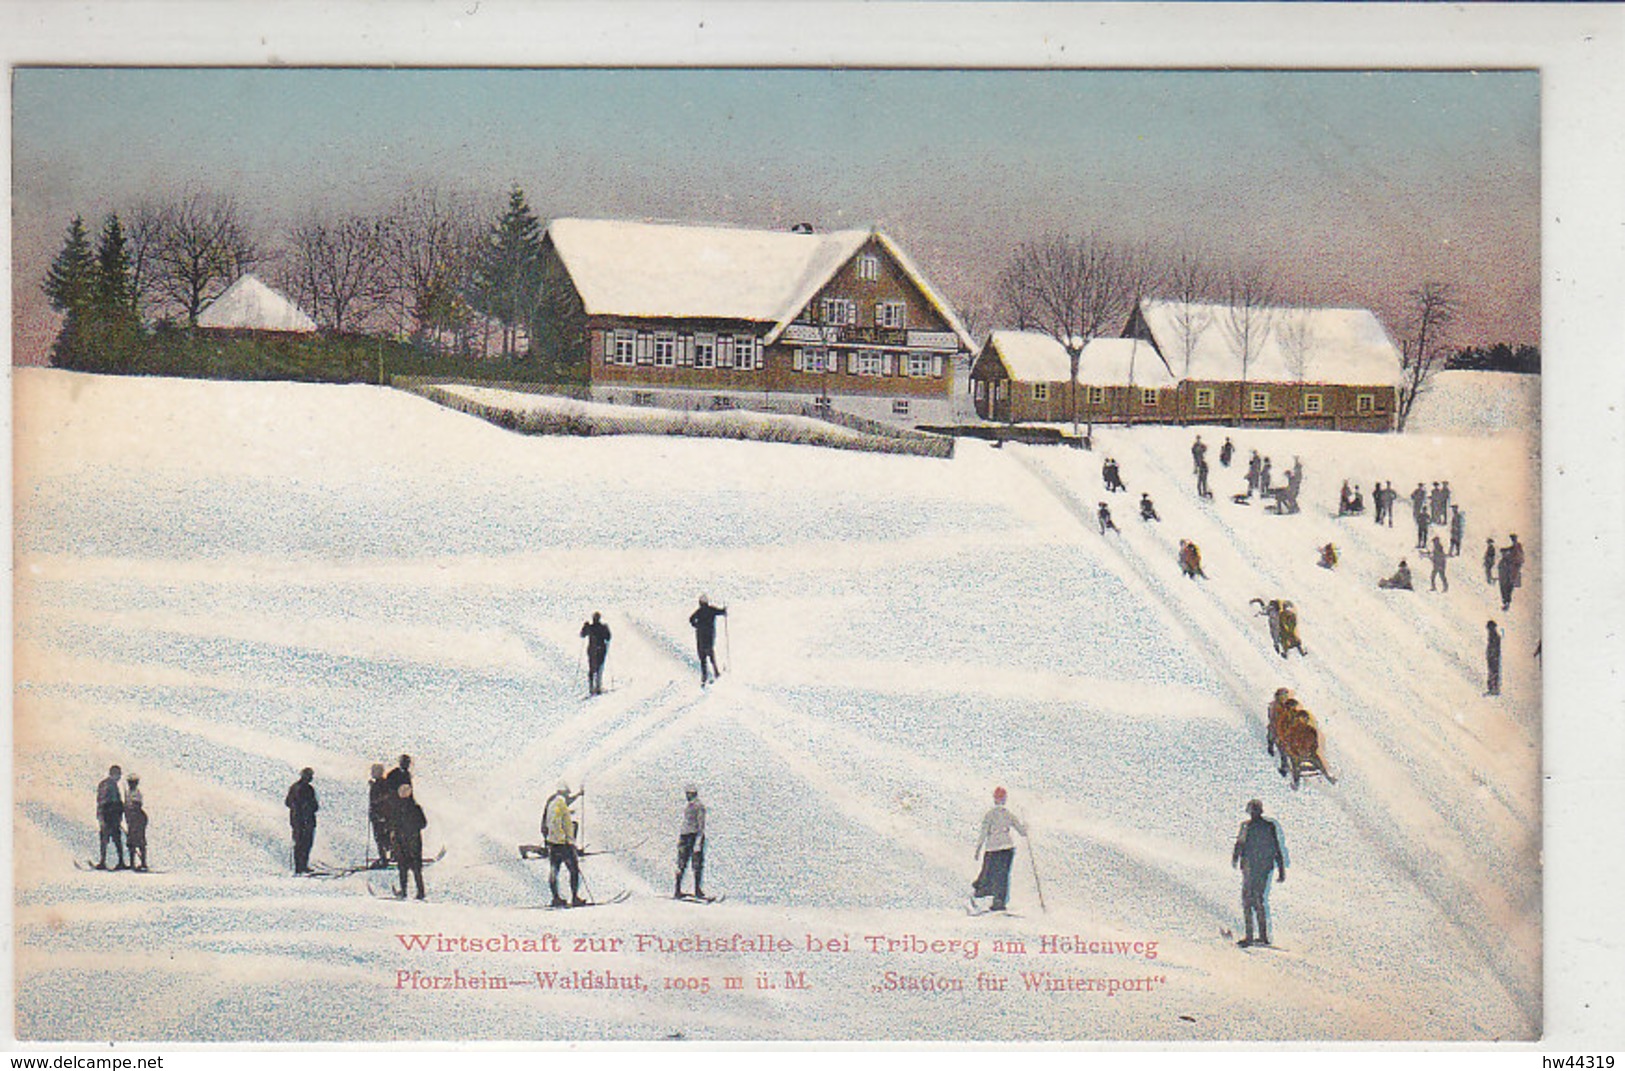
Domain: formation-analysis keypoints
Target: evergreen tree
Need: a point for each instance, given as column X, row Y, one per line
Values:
column 100, row 330
column 70, row 281
column 507, row 276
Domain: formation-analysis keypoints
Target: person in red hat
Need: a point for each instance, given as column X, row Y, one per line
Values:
column 994, row 880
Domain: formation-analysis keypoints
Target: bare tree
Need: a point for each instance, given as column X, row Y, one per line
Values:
column 142, row 237
column 1295, row 333
column 429, row 249
column 336, row 268
column 203, row 246
column 1247, row 317
column 1187, row 283
column 1070, row 289
column 1430, row 310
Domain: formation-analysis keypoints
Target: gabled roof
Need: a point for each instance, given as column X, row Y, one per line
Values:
column 1034, row 357
column 250, row 305
column 679, row 271
column 1344, row 345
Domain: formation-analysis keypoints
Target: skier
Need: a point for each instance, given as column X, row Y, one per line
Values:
column 1190, row 560
column 1105, row 516
column 135, row 823
column 1260, row 851
column 1492, row 657
column 1226, row 452
column 1328, row 557
column 704, row 621
column 559, row 833
column 994, row 880
column 1489, row 560
column 691, row 843
column 1148, row 511
column 302, row 807
column 1400, row 581
column 596, row 634
column 1438, row 557
column 379, row 806
column 110, row 816
column 410, row 823
column 400, row 775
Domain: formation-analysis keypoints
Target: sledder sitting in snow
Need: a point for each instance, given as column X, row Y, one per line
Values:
column 1148, row 511
column 1106, row 522
column 1190, row 560
column 1400, row 581
column 1328, row 557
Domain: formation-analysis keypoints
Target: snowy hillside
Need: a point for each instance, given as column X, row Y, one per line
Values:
column 1477, row 403
column 220, row 583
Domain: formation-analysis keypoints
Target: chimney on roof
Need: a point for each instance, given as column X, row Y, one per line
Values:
column 802, row 228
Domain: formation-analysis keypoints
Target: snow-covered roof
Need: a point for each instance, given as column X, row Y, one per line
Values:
column 250, row 305
column 681, row 271
column 1034, row 357
column 1340, row 345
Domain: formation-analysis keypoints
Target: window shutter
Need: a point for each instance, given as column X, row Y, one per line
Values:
column 880, row 314
column 936, row 365
column 796, row 362
column 885, row 363
column 852, row 362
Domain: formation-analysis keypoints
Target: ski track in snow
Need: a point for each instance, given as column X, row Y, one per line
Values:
column 179, row 669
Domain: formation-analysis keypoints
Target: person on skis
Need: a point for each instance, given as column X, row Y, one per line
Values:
column 410, row 823
column 691, row 843
column 302, row 807
column 135, row 823
column 559, row 833
column 994, row 879
column 704, row 622
column 1260, row 851
column 379, row 807
column 110, row 816
column 596, row 633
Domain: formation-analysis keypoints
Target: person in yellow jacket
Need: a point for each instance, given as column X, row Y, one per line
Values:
column 559, row 833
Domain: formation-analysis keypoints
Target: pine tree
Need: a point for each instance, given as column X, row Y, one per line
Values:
column 112, row 277
column 112, row 326
column 508, row 272
column 69, row 282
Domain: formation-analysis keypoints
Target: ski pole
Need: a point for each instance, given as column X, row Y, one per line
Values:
column 1039, row 885
column 727, row 643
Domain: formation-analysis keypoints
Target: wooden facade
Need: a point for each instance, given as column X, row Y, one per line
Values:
column 1019, row 377
column 864, row 333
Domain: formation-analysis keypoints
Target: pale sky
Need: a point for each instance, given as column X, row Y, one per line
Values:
column 1351, row 186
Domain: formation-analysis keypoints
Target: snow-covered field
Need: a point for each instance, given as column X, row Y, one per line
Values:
column 220, row 583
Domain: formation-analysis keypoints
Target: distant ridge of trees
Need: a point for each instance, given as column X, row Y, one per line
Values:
column 1501, row 357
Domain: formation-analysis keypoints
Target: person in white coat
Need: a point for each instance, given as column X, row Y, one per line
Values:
column 994, row 880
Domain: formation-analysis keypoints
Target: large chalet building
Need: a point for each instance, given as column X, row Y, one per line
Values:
column 722, row 317
column 1181, row 362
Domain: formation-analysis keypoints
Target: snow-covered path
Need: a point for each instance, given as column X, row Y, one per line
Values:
column 220, row 583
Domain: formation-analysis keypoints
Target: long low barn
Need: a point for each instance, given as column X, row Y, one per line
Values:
column 1182, row 362
column 717, row 317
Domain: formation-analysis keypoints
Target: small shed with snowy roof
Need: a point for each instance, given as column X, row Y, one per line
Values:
column 713, row 317
column 1303, row 367
column 1027, row 376
column 250, row 305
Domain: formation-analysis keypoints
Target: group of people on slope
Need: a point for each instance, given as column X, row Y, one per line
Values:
column 121, row 820
column 561, row 845
column 703, row 621
column 393, row 813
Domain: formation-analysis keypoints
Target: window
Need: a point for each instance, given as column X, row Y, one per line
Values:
column 625, row 347
column 1312, row 403
column 747, row 353
column 1259, row 401
column 1365, row 403
column 725, row 351
column 980, row 389
column 666, row 350
column 1204, row 397
column 899, row 407
column 1095, row 396
column 891, row 314
column 814, row 359
column 869, row 267
column 1148, row 397
column 870, row 363
column 705, row 351
column 839, row 311
column 1040, row 392
column 646, row 348
column 919, row 364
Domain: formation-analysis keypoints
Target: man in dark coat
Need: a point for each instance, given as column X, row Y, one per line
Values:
column 302, row 808
column 1260, row 851
column 704, row 622
column 409, row 825
column 1437, row 558
column 110, row 816
column 1458, row 529
column 1226, row 452
column 1506, row 575
column 597, row 636
column 1492, row 657
column 1419, row 511
column 1489, row 560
